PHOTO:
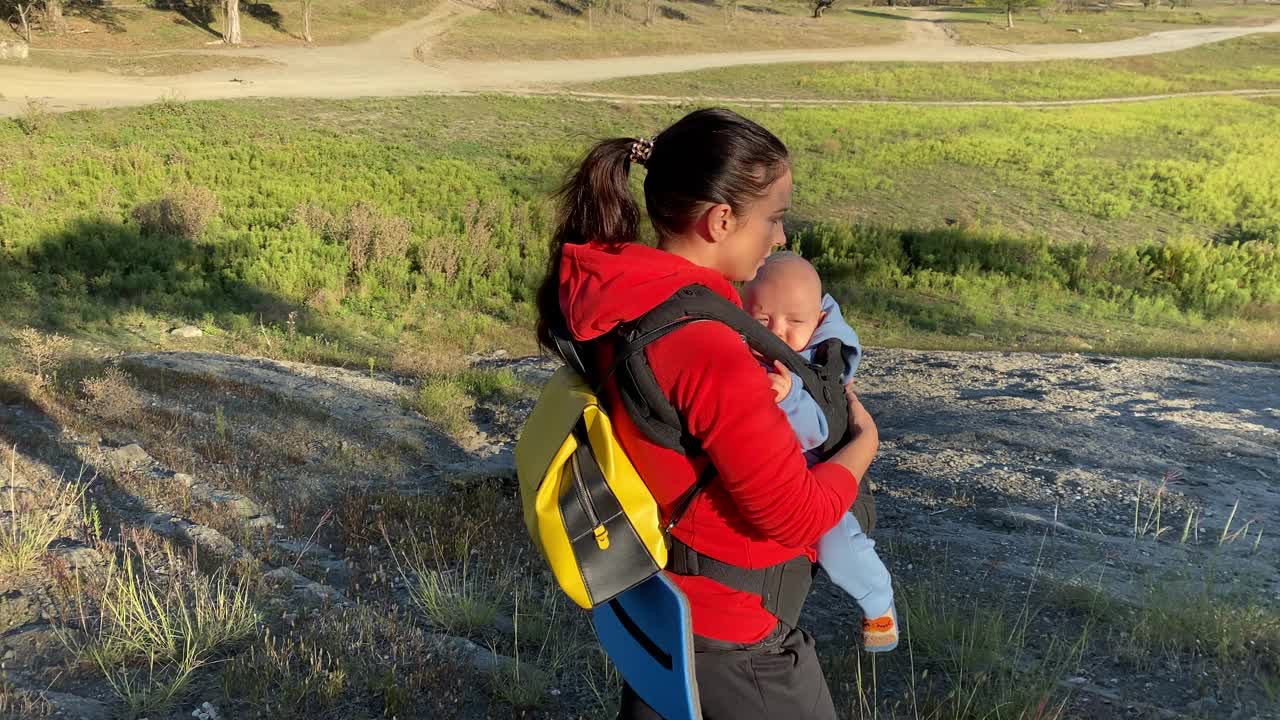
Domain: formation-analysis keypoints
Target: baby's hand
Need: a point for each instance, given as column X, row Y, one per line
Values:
column 780, row 381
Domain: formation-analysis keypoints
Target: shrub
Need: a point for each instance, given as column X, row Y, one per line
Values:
column 371, row 237
column 41, row 353
column 111, row 396
column 35, row 117
column 185, row 214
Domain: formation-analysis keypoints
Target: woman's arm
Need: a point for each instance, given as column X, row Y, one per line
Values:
column 726, row 401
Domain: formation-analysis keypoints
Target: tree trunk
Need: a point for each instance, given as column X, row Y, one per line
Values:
column 1008, row 16
column 53, row 16
column 590, row 17
column 306, row 21
column 231, row 34
column 23, row 11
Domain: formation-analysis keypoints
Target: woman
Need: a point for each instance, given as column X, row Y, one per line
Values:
column 717, row 187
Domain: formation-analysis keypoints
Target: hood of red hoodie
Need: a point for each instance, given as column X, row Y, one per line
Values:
column 604, row 285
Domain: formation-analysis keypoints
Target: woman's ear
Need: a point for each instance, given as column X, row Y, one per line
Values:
column 720, row 222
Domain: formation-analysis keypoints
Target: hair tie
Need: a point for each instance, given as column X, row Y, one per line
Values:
column 641, row 149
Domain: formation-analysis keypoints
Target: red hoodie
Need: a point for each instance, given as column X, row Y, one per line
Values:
column 765, row 506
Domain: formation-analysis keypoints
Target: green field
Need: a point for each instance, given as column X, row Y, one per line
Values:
column 1055, row 23
column 1148, row 228
column 539, row 29
column 1246, row 63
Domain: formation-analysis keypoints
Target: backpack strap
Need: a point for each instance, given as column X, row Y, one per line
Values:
column 829, row 365
column 782, row 588
column 647, row 404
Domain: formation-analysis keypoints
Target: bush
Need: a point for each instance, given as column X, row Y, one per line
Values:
column 35, row 117
column 111, row 396
column 41, row 353
column 371, row 237
column 1192, row 275
column 185, row 214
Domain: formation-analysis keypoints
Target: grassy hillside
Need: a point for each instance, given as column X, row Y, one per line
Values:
column 549, row 29
column 1055, row 23
column 129, row 27
column 1251, row 62
column 329, row 231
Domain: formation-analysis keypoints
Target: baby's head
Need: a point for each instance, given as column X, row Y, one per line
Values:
column 786, row 297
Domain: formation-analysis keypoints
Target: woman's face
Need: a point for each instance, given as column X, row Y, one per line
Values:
column 753, row 234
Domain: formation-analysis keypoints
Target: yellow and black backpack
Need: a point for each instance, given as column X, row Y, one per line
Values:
column 586, row 507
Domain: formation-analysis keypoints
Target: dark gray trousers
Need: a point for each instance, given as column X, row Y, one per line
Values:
column 778, row 677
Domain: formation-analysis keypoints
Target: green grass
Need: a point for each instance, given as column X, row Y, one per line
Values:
column 151, row 635
column 985, row 26
column 1251, row 62
column 387, row 227
column 546, row 30
column 33, row 519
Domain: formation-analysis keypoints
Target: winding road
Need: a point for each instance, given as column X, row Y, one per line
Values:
column 399, row 62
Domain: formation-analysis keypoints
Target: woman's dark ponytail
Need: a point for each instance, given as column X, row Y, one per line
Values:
column 596, row 204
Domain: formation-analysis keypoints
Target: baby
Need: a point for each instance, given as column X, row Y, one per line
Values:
column 786, row 296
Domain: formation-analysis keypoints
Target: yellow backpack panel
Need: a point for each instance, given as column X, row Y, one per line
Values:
column 585, row 506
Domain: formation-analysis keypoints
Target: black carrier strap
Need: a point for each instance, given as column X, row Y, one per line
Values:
column 649, row 407
column 783, row 587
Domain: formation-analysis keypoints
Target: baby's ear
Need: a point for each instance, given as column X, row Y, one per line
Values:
column 822, row 316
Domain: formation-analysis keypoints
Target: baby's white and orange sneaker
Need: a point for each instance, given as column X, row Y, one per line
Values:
column 880, row 634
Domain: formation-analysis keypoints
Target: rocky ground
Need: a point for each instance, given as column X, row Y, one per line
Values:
column 1046, row 485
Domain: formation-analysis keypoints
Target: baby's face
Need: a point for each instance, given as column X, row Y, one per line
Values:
column 788, row 304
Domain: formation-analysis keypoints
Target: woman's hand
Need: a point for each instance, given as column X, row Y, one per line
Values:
column 780, row 381
column 857, row 454
column 860, row 421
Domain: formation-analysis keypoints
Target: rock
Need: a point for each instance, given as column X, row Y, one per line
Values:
column 185, row 479
column 13, row 50
column 205, row 538
column 308, row 591
column 336, row 572
column 80, row 557
column 187, row 331
column 498, row 466
column 210, row 540
column 307, row 551
column 17, row 609
column 239, row 505
column 31, row 644
column 75, row 707
column 129, row 456
column 262, row 522
column 1203, row 705
column 482, row 659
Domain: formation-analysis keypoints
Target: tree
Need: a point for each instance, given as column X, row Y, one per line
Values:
column 650, row 12
column 23, row 11
column 730, row 11
column 231, row 33
column 820, row 6
column 1012, row 6
column 53, row 20
column 306, row 21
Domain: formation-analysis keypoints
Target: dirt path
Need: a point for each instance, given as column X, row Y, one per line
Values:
column 398, row 63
